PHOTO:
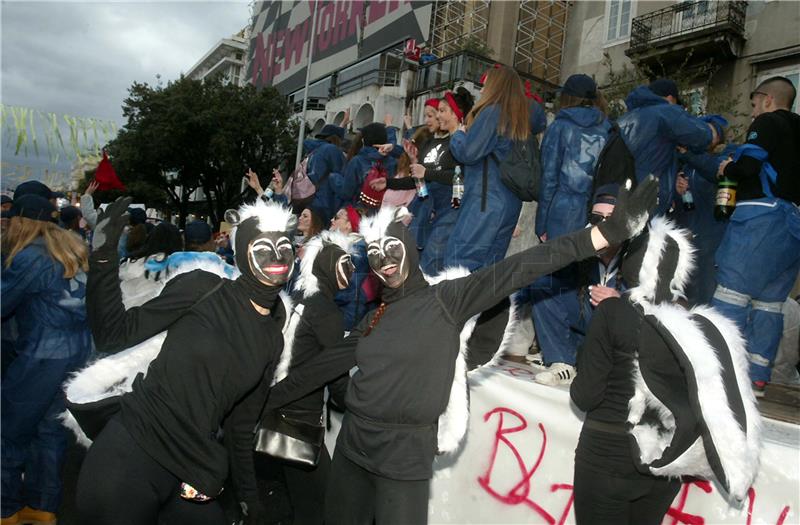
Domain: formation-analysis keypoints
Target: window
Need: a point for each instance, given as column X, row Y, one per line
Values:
column 790, row 72
column 618, row 15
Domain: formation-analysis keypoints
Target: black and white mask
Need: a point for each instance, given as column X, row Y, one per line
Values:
column 344, row 271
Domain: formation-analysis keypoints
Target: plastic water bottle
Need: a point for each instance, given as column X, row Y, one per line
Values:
column 458, row 188
column 422, row 188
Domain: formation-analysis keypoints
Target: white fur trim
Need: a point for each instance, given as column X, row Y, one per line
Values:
column 660, row 230
column 374, row 227
column 69, row 421
column 272, row 217
column 307, row 282
column 293, row 315
column 652, row 442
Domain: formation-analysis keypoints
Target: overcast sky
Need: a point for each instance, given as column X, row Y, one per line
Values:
column 79, row 58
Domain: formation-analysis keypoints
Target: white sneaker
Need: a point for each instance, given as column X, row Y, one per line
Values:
column 556, row 374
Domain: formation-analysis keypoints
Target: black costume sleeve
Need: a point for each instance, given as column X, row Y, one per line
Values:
column 762, row 132
column 595, row 361
column 115, row 328
column 318, row 371
column 400, row 183
column 239, row 435
column 462, row 298
column 440, row 176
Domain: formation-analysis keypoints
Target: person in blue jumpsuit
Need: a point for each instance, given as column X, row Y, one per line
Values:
column 326, row 158
column 570, row 149
column 489, row 210
column 43, row 289
column 487, row 218
column 759, row 257
column 364, row 153
column 652, row 128
column 700, row 174
column 355, row 301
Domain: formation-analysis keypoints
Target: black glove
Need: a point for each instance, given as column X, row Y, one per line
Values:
column 110, row 225
column 631, row 211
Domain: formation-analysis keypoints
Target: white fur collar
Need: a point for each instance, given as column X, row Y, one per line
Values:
column 660, row 229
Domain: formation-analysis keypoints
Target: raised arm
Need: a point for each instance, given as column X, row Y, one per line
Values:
column 465, row 297
column 113, row 327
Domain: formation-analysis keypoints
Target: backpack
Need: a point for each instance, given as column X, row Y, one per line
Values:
column 615, row 164
column 521, row 171
column 369, row 197
column 298, row 187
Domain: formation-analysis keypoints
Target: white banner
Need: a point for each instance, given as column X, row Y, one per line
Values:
column 517, row 464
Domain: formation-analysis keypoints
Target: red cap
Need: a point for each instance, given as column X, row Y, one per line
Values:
column 353, row 217
column 432, row 102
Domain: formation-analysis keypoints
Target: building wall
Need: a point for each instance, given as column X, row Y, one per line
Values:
column 772, row 45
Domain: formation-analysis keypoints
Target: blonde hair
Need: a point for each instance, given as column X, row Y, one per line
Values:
column 504, row 88
column 64, row 246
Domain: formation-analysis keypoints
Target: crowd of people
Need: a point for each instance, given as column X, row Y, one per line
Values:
column 372, row 278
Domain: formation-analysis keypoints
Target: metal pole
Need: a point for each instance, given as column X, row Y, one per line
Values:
column 310, row 54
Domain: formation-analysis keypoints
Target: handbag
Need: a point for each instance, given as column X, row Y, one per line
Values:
column 293, row 440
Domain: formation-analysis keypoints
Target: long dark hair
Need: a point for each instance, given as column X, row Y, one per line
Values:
column 355, row 146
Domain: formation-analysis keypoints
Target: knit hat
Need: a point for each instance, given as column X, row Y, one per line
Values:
column 69, row 214
column 581, row 86
column 137, row 216
column 606, row 194
column 197, row 232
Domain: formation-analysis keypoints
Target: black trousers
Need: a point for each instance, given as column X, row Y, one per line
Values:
column 307, row 490
column 120, row 484
column 357, row 497
column 602, row 499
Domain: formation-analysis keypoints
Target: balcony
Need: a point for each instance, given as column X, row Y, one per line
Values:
column 445, row 72
column 705, row 28
column 376, row 77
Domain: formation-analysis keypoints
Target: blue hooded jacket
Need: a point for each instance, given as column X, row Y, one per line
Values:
column 480, row 237
column 50, row 311
column 570, row 149
column 651, row 129
column 326, row 159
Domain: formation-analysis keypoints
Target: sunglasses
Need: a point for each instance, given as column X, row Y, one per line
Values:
column 597, row 218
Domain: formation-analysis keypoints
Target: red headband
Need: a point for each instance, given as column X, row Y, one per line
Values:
column 432, row 102
column 353, row 217
column 452, row 103
column 483, row 77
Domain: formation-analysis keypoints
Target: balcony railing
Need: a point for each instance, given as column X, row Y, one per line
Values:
column 380, row 77
column 686, row 18
column 462, row 66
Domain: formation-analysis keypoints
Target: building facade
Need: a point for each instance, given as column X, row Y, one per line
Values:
column 225, row 60
column 722, row 48
column 366, row 56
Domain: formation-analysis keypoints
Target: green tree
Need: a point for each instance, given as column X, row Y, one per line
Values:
column 191, row 134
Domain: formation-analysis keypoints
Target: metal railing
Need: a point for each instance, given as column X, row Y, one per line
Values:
column 380, row 77
column 685, row 18
column 465, row 65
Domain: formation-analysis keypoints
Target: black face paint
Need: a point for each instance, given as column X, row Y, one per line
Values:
column 344, row 271
column 387, row 258
column 260, row 257
column 271, row 258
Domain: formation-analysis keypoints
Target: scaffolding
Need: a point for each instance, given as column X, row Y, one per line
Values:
column 457, row 21
column 540, row 38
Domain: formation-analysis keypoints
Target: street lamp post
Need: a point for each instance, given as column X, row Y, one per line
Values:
column 309, row 56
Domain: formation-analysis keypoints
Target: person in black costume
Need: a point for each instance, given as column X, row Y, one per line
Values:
column 659, row 387
column 316, row 322
column 406, row 352
column 159, row 458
